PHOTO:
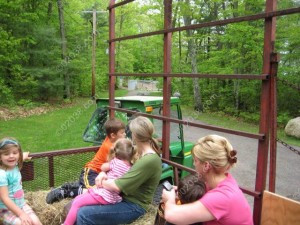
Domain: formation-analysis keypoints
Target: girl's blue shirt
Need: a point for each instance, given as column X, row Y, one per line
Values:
column 13, row 180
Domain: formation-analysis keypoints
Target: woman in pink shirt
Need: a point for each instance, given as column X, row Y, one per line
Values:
column 224, row 203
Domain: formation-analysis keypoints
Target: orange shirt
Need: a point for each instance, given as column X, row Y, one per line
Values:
column 100, row 157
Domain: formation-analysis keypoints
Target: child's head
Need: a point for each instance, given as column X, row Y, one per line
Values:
column 123, row 150
column 191, row 188
column 115, row 129
column 9, row 146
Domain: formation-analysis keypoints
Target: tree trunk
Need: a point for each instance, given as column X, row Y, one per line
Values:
column 192, row 53
column 64, row 49
column 236, row 91
column 49, row 11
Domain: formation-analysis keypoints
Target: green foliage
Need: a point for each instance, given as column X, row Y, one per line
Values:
column 32, row 68
column 283, row 118
column 288, row 71
column 6, row 96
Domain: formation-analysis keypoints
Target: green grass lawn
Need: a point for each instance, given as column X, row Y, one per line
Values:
column 61, row 128
column 58, row 129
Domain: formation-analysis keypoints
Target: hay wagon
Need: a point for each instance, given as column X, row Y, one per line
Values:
column 268, row 208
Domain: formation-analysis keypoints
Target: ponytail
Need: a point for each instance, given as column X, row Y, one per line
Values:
column 154, row 144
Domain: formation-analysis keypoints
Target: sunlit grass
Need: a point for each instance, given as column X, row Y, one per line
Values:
column 61, row 128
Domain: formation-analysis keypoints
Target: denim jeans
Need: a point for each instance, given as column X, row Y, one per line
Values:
column 120, row 213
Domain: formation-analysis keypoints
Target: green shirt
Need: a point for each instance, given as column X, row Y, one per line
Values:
column 139, row 183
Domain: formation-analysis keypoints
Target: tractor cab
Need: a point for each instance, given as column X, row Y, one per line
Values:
column 180, row 151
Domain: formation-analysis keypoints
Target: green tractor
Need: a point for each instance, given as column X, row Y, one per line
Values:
column 180, row 151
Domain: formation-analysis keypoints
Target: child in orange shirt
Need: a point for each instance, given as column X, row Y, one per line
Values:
column 115, row 129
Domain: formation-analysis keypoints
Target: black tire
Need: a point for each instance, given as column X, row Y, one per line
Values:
column 157, row 195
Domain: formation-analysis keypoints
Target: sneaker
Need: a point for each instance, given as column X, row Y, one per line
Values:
column 70, row 185
column 71, row 189
column 55, row 195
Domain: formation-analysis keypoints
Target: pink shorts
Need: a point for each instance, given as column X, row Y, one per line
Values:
column 9, row 218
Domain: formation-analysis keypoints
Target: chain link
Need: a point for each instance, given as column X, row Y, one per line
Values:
column 285, row 82
column 288, row 146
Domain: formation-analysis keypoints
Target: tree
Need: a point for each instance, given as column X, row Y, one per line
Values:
column 63, row 47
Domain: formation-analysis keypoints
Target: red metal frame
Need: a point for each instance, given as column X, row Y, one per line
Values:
column 267, row 128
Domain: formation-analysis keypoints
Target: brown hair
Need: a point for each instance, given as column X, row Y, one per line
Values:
column 6, row 143
column 143, row 130
column 113, row 125
column 191, row 188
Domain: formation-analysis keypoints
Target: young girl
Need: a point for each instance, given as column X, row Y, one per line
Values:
column 121, row 157
column 13, row 209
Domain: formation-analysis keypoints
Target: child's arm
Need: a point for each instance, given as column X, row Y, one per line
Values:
column 11, row 206
column 105, row 167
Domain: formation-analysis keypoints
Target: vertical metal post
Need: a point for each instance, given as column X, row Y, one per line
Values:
column 51, row 171
column 111, row 51
column 167, row 80
column 273, row 122
column 263, row 145
column 94, row 52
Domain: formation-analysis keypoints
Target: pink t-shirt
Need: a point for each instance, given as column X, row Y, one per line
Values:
column 227, row 204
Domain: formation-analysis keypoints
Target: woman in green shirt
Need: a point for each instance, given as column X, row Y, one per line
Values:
column 137, row 186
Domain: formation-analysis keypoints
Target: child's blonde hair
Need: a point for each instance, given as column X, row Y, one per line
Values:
column 8, row 142
column 123, row 150
column 217, row 151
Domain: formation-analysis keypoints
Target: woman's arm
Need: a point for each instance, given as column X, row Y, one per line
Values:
column 100, row 178
column 189, row 213
column 110, row 185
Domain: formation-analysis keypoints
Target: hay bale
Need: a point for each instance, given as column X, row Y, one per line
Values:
column 53, row 214
column 148, row 218
column 48, row 214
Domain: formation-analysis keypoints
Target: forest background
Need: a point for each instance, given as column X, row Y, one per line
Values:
column 39, row 64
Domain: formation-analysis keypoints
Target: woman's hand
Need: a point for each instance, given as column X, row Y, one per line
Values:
column 99, row 179
column 169, row 196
